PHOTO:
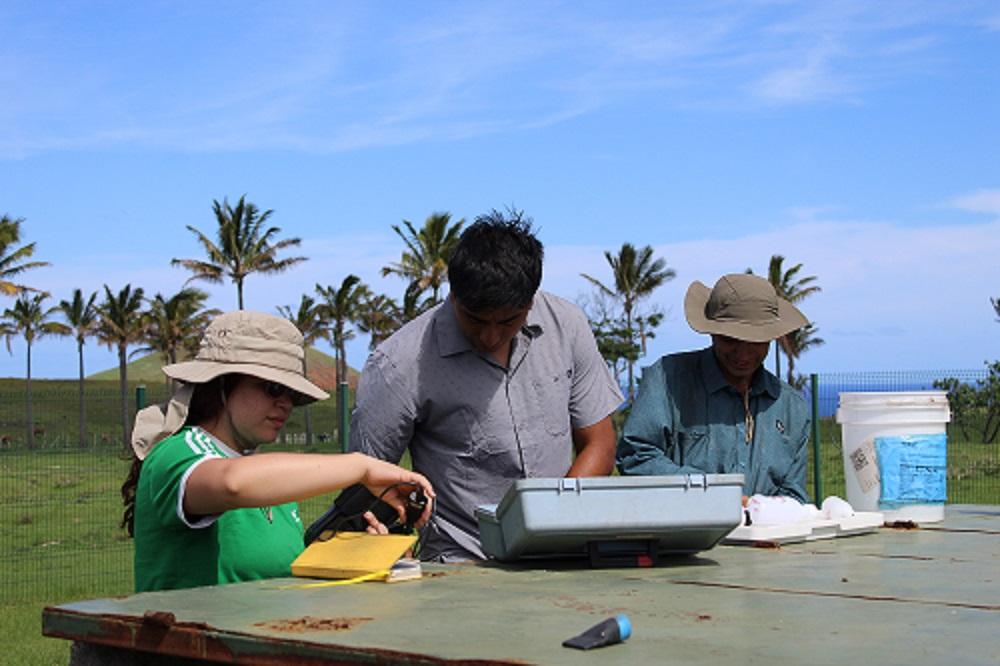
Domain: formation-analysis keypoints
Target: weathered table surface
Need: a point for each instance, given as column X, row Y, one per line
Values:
column 924, row 596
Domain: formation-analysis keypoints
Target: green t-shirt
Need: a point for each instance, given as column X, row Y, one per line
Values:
column 174, row 550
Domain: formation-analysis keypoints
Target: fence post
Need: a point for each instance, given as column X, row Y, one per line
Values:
column 817, row 465
column 344, row 419
column 140, row 397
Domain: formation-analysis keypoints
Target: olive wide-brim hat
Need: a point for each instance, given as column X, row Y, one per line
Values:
column 741, row 306
column 242, row 342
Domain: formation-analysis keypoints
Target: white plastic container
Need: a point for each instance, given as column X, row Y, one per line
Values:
column 863, row 417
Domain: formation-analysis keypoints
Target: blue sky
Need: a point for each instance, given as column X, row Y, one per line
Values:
column 858, row 138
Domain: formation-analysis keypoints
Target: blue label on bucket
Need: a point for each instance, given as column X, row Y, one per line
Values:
column 913, row 469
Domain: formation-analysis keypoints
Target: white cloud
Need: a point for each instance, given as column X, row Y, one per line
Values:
column 982, row 201
column 811, row 79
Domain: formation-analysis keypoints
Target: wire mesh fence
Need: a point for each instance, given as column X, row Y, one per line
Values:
column 973, row 475
column 60, row 505
column 60, row 502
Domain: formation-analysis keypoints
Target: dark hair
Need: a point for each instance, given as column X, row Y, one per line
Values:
column 206, row 402
column 497, row 263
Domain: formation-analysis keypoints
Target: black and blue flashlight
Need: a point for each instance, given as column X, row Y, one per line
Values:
column 613, row 630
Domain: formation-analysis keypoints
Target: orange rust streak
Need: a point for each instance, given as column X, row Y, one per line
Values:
column 310, row 623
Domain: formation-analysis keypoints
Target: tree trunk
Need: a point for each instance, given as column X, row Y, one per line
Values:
column 631, row 364
column 31, row 419
column 342, row 364
column 338, row 353
column 123, row 390
column 83, row 419
column 239, row 294
column 777, row 359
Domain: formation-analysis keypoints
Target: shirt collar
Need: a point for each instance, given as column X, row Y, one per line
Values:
column 225, row 448
column 452, row 341
column 762, row 382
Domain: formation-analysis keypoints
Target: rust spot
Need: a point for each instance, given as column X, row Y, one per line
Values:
column 903, row 525
column 310, row 623
column 770, row 545
column 435, row 574
column 702, row 617
column 159, row 618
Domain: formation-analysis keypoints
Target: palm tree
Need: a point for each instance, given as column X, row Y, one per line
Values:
column 995, row 302
column 307, row 319
column 339, row 308
column 121, row 324
column 174, row 325
column 243, row 247
column 637, row 275
column 790, row 287
column 81, row 315
column 30, row 318
column 7, row 332
column 13, row 261
column 425, row 261
column 797, row 342
column 379, row 316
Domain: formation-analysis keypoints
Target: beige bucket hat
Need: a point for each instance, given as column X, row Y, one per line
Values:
column 741, row 306
column 242, row 342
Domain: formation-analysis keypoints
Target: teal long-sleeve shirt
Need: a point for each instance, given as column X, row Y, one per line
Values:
column 687, row 419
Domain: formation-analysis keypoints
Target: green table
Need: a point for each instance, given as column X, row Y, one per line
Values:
column 923, row 596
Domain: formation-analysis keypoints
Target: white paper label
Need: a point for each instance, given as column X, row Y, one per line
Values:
column 865, row 465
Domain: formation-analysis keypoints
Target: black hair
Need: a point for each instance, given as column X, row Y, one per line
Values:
column 497, row 263
column 206, row 402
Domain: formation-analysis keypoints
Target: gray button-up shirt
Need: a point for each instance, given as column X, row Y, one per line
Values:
column 687, row 419
column 473, row 426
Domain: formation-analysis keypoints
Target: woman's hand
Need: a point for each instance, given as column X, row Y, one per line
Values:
column 396, row 483
column 374, row 526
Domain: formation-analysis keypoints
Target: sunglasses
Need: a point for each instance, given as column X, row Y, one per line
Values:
column 275, row 390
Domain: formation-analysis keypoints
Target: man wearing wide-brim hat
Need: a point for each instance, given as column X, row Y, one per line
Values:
column 718, row 410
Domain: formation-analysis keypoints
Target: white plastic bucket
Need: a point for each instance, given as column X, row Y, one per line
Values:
column 863, row 417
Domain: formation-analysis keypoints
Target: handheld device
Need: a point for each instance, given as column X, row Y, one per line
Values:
column 416, row 502
column 346, row 514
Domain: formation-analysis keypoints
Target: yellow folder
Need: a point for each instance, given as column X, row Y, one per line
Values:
column 352, row 554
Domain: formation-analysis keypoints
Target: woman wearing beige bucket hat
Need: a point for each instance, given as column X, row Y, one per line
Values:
column 204, row 511
column 718, row 410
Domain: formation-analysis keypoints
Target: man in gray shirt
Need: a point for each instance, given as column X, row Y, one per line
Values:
column 500, row 382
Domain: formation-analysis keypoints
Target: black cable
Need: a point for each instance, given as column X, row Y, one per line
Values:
column 371, row 506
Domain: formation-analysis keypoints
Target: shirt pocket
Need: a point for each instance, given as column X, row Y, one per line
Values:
column 551, row 402
column 779, row 459
column 688, row 447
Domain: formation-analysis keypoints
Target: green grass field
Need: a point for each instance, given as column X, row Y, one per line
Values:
column 59, row 535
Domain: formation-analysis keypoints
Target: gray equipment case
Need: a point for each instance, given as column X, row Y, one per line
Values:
column 611, row 519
